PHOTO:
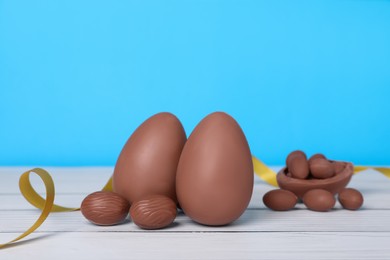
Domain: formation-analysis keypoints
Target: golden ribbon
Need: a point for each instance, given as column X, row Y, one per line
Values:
column 383, row 170
column 47, row 205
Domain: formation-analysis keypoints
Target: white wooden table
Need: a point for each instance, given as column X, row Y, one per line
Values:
column 259, row 234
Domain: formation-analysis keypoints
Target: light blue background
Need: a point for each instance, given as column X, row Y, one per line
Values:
column 77, row 77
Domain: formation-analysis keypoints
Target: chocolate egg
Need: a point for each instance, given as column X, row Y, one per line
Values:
column 319, row 200
column 298, row 165
column 148, row 161
column 280, row 200
column 153, row 212
column 321, row 168
column 214, row 179
column 315, row 156
column 350, row 199
column 105, row 208
column 291, row 155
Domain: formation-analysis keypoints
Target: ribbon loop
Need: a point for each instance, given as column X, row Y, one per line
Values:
column 35, row 199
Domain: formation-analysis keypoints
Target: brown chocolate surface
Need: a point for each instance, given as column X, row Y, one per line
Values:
column 214, row 179
column 153, row 212
column 350, row 199
column 298, row 165
column 338, row 166
column 321, row 168
column 334, row 184
column 319, row 200
column 105, row 208
column 148, row 161
column 315, row 156
column 291, row 155
column 280, row 200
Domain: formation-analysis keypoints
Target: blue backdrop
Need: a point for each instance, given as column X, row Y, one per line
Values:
column 77, row 77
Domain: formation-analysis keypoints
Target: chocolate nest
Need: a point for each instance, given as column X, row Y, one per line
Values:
column 299, row 187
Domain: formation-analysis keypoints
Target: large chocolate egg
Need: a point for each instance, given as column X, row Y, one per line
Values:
column 214, row 180
column 147, row 163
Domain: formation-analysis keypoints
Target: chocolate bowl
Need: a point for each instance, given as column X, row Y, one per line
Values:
column 299, row 187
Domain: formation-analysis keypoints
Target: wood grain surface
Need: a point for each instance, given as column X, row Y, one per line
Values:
column 259, row 234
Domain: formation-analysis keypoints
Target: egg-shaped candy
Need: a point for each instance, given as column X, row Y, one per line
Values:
column 105, row 208
column 350, row 199
column 280, row 200
column 321, row 168
column 319, row 200
column 214, row 180
column 148, row 161
column 298, row 165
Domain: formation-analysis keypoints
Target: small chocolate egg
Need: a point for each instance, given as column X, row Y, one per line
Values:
column 338, row 166
column 153, row 212
column 105, row 208
column 319, row 200
column 315, row 156
column 297, row 165
column 350, row 199
column 280, row 200
column 214, row 180
column 147, row 163
column 293, row 154
column 321, row 168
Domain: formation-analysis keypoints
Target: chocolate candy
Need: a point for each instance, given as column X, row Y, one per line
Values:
column 105, row 208
column 319, row 200
column 317, row 190
column 298, row 165
column 148, row 161
column 153, row 212
column 291, row 155
column 338, row 166
column 321, row 168
column 350, row 199
column 280, row 200
column 214, row 180
column 315, row 156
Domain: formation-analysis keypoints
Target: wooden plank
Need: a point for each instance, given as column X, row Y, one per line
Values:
column 256, row 220
column 259, row 234
column 151, row 245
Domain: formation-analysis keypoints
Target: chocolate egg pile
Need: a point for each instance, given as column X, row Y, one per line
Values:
column 315, row 181
column 210, row 175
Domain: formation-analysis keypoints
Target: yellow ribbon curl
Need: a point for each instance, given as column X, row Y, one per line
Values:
column 47, row 205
